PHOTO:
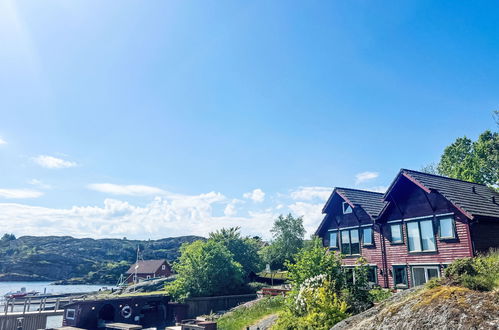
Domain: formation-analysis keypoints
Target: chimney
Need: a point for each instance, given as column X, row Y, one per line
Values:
column 494, row 199
column 474, row 189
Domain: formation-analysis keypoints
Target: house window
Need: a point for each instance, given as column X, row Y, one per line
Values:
column 333, row 240
column 346, row 208
column 396, row 233
column 70, row 314
column 421, row 275
column 420, row 236
column 163, row 267
column 367, row 236
column 372, row 275
column 350, row 242
column 399, row 276
column 446, row 228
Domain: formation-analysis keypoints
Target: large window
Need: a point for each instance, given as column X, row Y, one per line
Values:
column 350, row 242
column 367, row 236
column 333, row 240
column 422, row 274
column 446, row 228
column 396, row 233
column 420, row 236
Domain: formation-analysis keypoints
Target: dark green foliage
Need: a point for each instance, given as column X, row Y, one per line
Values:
column 205, row 268
column 287, row 235
column 8, row 237
column 244, row 249
column 84, row 260
column 480, row 273
column 379, row 294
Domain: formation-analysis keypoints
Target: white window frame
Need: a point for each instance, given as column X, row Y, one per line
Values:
column 335, row 232
column 163, row 267
column 401, row 241
column 425, row 267
column 348, row 209
column 453, row 224
column 72, row 310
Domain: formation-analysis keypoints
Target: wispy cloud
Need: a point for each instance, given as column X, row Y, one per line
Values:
column 20, row 193
column 2, row 141
column 53, row 162
column 309, row 193
column 365, row 176
column 129, row 190
column 257, row 195
column 39, row 184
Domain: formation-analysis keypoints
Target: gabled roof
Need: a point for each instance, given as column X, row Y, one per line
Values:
column 471, row 198
column 146, row 266
column 371, row 202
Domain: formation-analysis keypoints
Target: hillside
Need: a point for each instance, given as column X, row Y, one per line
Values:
column 74, row 260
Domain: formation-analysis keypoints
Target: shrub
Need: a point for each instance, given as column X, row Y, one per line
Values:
column 480, row 273
column 379, row 294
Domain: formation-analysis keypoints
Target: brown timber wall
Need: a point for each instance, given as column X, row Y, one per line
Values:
column 206, row 305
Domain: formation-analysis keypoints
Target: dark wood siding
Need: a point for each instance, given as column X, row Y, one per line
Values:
column 410, row 202
column 485, row 235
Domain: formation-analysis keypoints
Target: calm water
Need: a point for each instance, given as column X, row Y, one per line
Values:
column 54, row 321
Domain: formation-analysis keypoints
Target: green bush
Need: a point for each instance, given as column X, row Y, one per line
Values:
column 480, row 273
column 380, row 294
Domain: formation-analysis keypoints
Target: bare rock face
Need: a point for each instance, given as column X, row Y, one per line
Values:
column 443, row 307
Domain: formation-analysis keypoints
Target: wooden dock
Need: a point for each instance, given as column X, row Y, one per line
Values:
column 27, row 320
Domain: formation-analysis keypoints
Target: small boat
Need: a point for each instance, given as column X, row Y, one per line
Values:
column 21, row 294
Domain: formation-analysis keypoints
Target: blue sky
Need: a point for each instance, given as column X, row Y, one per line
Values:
column 150, row 119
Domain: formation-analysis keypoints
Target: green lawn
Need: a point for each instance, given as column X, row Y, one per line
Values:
column 246, row 316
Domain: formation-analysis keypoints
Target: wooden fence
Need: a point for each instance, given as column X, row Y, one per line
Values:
column 206, row 305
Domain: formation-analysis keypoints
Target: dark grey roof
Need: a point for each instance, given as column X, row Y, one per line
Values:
column 460, row 193
column 146, row 266
column 372, row 202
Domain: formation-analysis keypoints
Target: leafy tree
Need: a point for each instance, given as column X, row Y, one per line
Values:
column 287, row 233
column 244, row 249
column 314, row 260
column 472, row 161
column 205, row 268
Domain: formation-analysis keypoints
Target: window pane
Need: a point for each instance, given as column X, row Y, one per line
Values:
column 432, row 273
column 446, row 227
column 427, row 235
column 396, row 233
column 419, row 276
column 333, row 239
column 399, row 275
column 349, row 275
column 367, row 236
column 355, row 246
column 371, row 274
column 413, row 237
column 345, row 242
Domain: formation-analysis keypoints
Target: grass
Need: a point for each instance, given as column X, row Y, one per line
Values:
column 246, row 316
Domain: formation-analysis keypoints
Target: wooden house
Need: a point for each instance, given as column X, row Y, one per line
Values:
column 429, row 221
column 419, row 226
column 349, row 227
column 147, row 269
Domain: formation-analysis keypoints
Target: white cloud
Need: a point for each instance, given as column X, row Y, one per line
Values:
column 2, row 141
column 230, row 210
column 129, row 190
column 311, row 213
column 257, row 195
column 20, row 193
column 53, row 162
column 365, row 176
column 39, row 184
column 309, row 193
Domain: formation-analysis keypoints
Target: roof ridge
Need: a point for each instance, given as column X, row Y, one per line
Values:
column 362, row 190
column 444, row 177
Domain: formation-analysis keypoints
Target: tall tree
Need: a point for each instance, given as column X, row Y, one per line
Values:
column 244, row 249
column 473, row 161
column 287, row 233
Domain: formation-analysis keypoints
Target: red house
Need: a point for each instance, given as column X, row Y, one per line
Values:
column 420, row 225
column 147, row 269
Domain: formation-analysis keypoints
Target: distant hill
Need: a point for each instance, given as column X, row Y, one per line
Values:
column 78, row 260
